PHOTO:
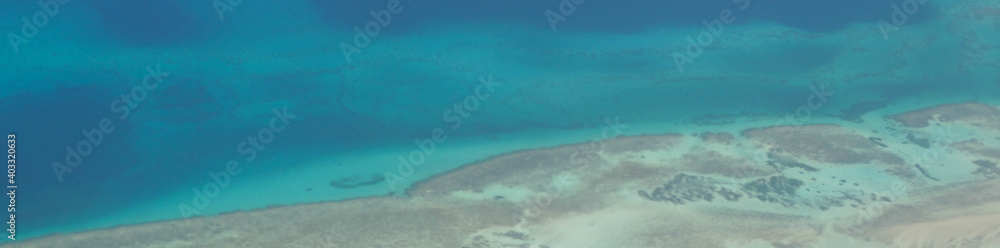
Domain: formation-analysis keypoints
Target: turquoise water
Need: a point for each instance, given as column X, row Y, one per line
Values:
column 606, row 60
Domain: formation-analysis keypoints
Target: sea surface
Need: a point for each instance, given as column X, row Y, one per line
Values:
column 350, row 117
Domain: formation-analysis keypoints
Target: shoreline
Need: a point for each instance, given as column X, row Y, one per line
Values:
column 412, row 197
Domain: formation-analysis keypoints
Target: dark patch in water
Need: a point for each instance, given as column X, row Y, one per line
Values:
column 774, row 189
column 987, row 168
column 877, row 141
column 186, row 101
column 628, row 16
column 800, row 165
column 684, row 189
column 925, row 143
column 856, row 110
column 922, row 171
column 357, row 181
column 49, row 121
column 141, row 22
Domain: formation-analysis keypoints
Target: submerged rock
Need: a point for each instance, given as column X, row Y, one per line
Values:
column 778, row 189
column 925, row 143
column 357, row 181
